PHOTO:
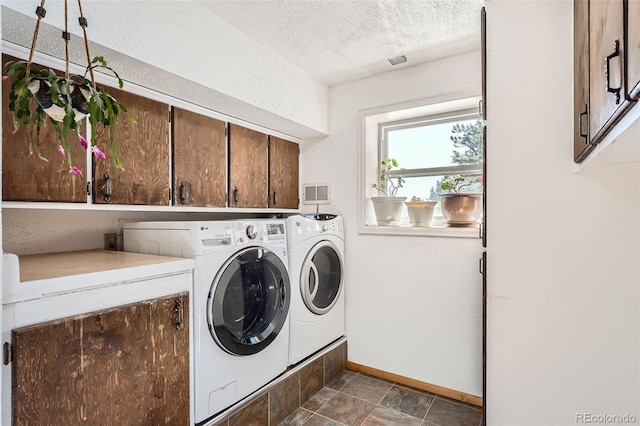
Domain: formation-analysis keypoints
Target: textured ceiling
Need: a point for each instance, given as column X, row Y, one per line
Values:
column 343, row 40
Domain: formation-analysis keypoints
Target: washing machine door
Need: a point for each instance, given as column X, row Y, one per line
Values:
column 248, row 301
column 321, row 277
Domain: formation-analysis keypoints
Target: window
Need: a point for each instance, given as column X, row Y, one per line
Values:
column 430, row 144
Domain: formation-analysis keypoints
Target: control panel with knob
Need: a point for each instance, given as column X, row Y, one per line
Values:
column 270, row 231
column 252, row 232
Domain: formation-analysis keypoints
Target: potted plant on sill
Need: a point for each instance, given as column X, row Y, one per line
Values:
column 420, row 211
column 388, row 207
column 63, row 101
column 460, row 208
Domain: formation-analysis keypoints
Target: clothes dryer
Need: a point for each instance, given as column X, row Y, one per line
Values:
column 241, row 298
column 316, row 251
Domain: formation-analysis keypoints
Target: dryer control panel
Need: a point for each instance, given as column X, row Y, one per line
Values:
column 271, row 232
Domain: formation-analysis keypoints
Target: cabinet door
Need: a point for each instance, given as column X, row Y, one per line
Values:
column 124, row 366
column 606, row 48
column 283, row 173
column 483, row 52
column 26, row 177
column 483, row 27
column 143, row 149
column 247, row 167
column 581, row 145
column 633, row 48
column 199, row 160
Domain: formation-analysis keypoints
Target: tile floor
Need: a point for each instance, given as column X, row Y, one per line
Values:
column 355, row 399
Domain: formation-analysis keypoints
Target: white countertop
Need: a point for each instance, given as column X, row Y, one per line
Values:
column 43, row 275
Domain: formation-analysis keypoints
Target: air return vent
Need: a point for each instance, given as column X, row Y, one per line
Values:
column 316, row 193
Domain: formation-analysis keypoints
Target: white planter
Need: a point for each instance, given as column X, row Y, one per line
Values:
column 461, row 209
column 420, row 212
column 388, row 210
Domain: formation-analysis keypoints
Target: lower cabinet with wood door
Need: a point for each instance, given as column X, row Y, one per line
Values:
column 96, row 338
column 125, row 365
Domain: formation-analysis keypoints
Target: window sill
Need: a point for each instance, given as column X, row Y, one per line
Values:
column 415, row 231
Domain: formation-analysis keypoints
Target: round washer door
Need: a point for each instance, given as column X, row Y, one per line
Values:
column 321, row 277
column 248, row 301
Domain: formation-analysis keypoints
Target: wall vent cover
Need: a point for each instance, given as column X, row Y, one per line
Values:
column 316, row 193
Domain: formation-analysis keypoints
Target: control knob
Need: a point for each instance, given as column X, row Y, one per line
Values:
column 252, row 232
column 325, row 228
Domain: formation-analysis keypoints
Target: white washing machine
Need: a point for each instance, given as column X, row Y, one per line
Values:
column 316, row 251
column 241, row 297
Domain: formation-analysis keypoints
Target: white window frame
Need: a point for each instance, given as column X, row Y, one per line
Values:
column 372, row 148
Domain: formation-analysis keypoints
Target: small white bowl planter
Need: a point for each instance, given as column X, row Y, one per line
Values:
column 388, row 210
column 420, row 212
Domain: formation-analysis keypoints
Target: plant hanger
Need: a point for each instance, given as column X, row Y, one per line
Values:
column 79, row 96
column 65, row 101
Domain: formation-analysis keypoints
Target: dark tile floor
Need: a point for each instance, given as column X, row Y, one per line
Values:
column 355, row 399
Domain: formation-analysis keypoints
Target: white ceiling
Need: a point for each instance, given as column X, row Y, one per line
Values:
column 342, row 40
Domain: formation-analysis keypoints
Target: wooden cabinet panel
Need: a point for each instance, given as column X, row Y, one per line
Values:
column 483, row 57
column 247, row 167
column 143, row 148
column 283, row 173
column 26, row 177
column 483, row 225
column 633, row 48
column 127, row 365
column 581, row 145
column 606, row 23
column 199, row 160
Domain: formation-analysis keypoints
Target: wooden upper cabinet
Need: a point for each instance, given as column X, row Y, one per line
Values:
column 199, row 160
column 123, row 366
column 581, row 140
column 632, row 9
column 283, row 173
column 26, row 177
column 483, row 52
column 143, row 149
column 247, row 167
column 606, row 64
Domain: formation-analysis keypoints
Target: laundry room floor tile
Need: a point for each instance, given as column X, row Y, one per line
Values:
column 296, row 418
column 407, row 401
column 340, row 381
column 318, row 420
column 319, row 399
column 448, row 413
column 346, row 409
column 347, row 403
column 383, row 417
column 367, row 388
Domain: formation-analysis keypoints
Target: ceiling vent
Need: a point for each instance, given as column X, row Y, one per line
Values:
column 398, row 60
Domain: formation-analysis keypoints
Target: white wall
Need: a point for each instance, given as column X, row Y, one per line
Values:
column 413, row 303
column 564, row 247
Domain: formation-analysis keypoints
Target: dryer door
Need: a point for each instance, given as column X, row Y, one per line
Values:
column 248, row 301
column 321, row 277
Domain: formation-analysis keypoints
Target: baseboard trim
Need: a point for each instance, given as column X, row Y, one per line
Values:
column 417, row 384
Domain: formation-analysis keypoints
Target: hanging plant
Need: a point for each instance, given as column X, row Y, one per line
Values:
column 63, row 101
